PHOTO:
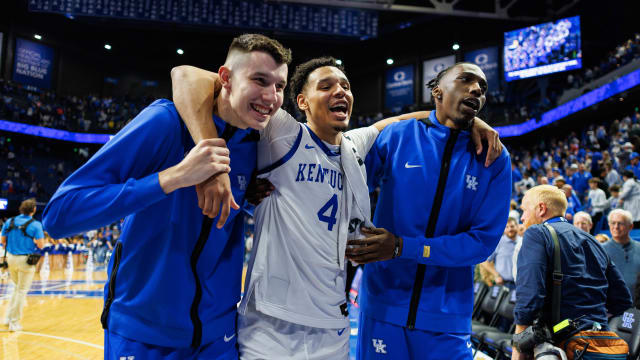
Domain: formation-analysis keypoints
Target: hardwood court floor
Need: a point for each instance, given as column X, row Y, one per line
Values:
column 61, row 319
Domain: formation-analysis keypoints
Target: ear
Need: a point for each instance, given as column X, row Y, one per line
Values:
column 436, row 92
column 302, row 102
column 225, row 77
column 542, row 209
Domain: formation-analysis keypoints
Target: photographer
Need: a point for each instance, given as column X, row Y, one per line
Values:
column 588, row 286
column 20, row 236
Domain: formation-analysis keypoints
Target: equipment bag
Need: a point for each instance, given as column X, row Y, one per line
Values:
column 602, row 345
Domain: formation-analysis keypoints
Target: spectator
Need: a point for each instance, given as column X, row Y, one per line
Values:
column 630, row 196
column 634, row 160
column 574, row 203
column 513, row 212
column 500, row 263
column 612, row 177
column 598, row 200
column 623, row 252
column 583, row 221
column 614, row 199
column 580, row 181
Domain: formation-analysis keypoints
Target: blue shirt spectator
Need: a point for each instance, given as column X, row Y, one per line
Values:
column 623, row 251
column 592, row 286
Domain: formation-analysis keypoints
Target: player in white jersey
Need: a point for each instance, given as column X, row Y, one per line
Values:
column 294, row 304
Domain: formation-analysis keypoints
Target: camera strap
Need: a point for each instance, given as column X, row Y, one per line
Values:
column 557, row 276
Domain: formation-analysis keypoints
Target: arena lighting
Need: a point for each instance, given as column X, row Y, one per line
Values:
column 180, row 51
column 338, row 61
column 107, row 46
column 84, row 138
column 592, row 97
column 37, row 36
column 389, row 61
column 456, row 47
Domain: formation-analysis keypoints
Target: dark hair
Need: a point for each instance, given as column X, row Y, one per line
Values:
column 256, row 42
column 615, row 188
column 301, row 74
column 436, row 80
column 27, row 206
column 629, row 174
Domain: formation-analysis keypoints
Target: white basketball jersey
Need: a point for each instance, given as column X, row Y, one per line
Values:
column 294, row 271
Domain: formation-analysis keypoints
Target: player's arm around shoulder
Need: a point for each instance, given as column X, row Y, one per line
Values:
column 481, row 131
column 194, row 94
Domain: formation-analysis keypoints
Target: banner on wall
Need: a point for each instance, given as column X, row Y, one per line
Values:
column 33, row 63
column 487, row 60
column 431, row 68
column 399, row 88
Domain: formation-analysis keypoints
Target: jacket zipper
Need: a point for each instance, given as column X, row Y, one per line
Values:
column 112, row 285
column 431, row 227
column 205, row 230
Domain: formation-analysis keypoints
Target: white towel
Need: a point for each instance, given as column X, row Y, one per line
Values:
column 356, row 209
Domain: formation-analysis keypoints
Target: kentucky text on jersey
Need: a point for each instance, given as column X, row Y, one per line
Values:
column 316, row 173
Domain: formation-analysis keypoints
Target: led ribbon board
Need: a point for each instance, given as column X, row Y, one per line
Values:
column 592, row 97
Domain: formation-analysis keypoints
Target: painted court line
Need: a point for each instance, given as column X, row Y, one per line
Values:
column 63, row 338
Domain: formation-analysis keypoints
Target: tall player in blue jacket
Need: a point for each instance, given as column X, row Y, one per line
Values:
column 443, row 212
column 174, row 283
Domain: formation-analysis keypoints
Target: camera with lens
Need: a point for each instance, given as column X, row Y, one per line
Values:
column 534, row 335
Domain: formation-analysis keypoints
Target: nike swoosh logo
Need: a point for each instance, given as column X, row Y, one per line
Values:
column 406, row 165
column 307, row 146
column 227, row 339
column 340, row 332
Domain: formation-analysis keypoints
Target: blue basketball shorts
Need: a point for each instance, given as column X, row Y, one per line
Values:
column 382, row 340
column 117, row 347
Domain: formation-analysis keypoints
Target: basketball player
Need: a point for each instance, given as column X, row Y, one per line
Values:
column 294, row 304
column 173, row 289
column 446, row 211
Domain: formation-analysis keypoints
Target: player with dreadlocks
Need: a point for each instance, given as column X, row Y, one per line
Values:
column 445, row 211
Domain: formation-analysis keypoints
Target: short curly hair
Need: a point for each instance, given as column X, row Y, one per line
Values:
column 301, row 74
column 257, row 42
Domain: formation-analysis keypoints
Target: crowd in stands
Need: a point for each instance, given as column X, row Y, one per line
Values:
column 36, row 168
column 88, row 113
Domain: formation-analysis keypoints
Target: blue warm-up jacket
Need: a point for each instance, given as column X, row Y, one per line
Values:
column 420, row 164
column 166, row 287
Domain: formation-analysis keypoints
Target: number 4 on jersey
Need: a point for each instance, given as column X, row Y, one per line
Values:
column 332, row 207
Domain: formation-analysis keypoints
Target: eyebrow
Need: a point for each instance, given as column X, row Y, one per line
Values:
column 268, row 76
column 483, row 82
column 328, row 79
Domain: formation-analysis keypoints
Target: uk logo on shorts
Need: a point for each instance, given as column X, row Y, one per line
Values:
column 472, row 183
column 627, row 320
column 379, row 346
